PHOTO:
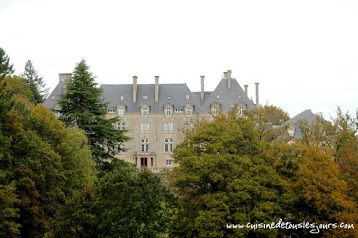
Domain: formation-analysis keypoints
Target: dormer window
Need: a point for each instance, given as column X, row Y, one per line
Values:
column 145, row 111
column 215, row 109
column 188, row 110
column 240, row 109
column 121, row 110
column 168, row 110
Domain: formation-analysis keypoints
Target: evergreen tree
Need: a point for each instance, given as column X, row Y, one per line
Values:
column 82, row 107
column 36, row 82
column 5, row 67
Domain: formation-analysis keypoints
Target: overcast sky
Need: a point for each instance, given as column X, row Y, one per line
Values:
column 303, row 53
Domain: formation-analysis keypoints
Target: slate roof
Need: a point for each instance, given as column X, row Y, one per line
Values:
column 174, row 94
column 228, row 97
column 306, row 115
column 113, row 94
column 54, row 97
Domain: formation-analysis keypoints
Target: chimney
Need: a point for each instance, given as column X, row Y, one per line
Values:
column 246, row 87
column 257, row 95
column 156, row 88
column 229, row 79
column 135, row 89
column 202, row 87
column 66, row 77
column 225, row 75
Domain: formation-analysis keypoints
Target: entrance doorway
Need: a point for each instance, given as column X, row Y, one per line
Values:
column 143, row 162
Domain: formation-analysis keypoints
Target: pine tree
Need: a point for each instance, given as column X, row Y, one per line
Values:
column 5, row 67
column 36, row 82
column 82, row 107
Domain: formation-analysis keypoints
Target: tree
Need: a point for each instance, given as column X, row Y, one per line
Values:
column 44, row 162
column 36, row 82
column 222, row 179
column 269, row 121
column 5, row 67
column 82, row 107
column 124, row 203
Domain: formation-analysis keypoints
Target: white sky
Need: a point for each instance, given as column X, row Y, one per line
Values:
column 303, row 53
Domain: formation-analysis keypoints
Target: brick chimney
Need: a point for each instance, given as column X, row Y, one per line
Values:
column 156, row 88
column 135, row 89
column 202, row 87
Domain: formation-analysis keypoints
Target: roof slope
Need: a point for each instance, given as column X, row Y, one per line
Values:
column 228, row 97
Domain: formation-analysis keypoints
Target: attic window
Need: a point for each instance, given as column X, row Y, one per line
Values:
column 168, row 97
column 53, row 97
column 121, row 98
column 145, row 97
column 187, row 97
column 239, row 96
column 218, row 96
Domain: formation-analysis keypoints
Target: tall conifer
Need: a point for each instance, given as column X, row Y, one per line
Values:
column 82, row 107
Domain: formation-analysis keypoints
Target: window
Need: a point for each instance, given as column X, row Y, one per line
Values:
column 168, row 145
column 120, row 111
column 145, row 97
column 168, row 162
column 144, row 145
column 110, row 111
column 188, row 110
column 144, row 127
column 120, row 149
column 168, row 127
column 178, row 110
column 57, row 111
column 145, row 110
column 215, row 109
column 187, row 97
column 240, row 109
column 168, row 111
column 121, row 125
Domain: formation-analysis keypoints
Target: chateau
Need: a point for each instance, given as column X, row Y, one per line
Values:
column 155, row 115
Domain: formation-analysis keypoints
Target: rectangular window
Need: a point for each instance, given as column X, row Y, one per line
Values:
column 120, row 111
column 145, row 112
column 144, row 145
column 110, row 111
column 168, row 145
column 144, row 127
column 121, row 125
column 168, row 162
column 168, row 127
column 168, row 111
column 120, row 149
column 189, row 112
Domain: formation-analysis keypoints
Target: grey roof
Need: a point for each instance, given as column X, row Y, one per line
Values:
column 177, row 93
column 54, row 97
column 228, row 97
column 306, row 115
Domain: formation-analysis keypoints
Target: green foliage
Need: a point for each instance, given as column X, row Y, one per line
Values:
column 37, row 85
column 5, row 67
column 267, row 116
column 8, row 211
column 44, row 162
column 124, row 203
column 82, row 107
column 222, row 179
